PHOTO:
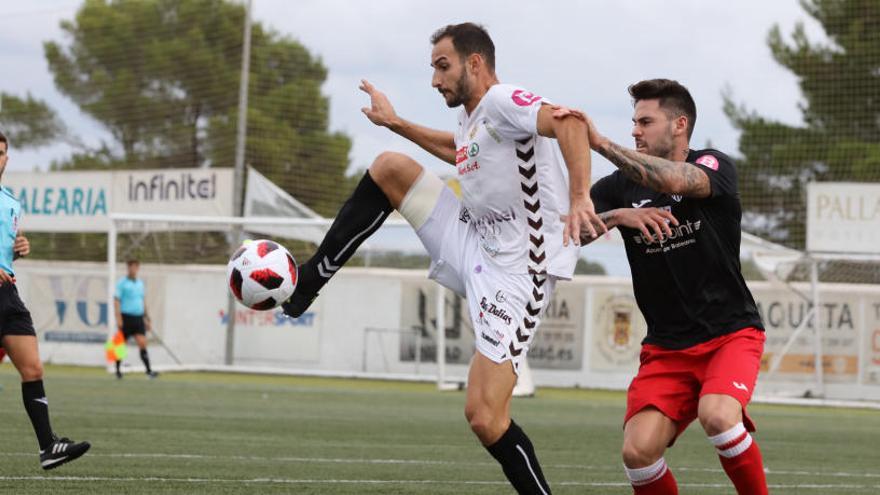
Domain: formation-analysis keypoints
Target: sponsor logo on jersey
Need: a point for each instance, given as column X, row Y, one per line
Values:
column 464, row 215
column 682, row 230
column 461, row 155
column 641, row 203
column 466, row 168
column 495, row 311
column 500, row 297
column 473, row 150
column 496, row 217
column 490, row 339
column 524, row 98
column 492, row 132
column 741, row 386
column 708, row 161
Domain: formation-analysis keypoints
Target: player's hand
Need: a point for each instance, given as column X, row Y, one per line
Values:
column 582, row 222
column 652, row 222
column 561, row 112
column 596, row 139
column 380, row 111
column 6, row 278
column 22, row 246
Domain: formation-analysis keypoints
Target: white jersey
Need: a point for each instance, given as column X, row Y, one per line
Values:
column 514, row 183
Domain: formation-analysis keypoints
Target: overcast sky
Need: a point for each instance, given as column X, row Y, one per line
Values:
column 578, row 53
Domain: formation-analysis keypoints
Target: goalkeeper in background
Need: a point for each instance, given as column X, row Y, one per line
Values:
column 17, row 334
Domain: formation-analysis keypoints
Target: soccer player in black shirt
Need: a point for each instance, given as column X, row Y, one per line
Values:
column 679, row 213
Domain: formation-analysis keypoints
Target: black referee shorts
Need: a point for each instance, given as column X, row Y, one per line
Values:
column 15, row 319
column 133, row 325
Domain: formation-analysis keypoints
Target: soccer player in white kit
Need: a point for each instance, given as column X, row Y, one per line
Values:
column 503, row 245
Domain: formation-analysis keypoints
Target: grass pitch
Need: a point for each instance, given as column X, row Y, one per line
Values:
column 222, row 433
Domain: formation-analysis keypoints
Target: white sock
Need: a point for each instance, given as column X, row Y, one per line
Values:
column 646, row 475
column 732, row 442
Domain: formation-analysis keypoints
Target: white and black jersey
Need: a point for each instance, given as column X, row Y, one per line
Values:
column 514, row 183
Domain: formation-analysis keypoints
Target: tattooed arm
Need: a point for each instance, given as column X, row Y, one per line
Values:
column 652, row 222
column 653, row 172
column 608, row 219
column 656, row 173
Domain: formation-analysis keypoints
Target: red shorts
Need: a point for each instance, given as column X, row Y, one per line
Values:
column 673, row 381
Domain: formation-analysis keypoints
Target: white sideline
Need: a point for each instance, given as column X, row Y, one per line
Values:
column 797, row 401
column 428, row 462
column 268, row 370
column 285, row 481
column 404, row 377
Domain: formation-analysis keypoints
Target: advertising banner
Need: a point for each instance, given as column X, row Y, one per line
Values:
column 559, row 342
column 839, row 317
column 187, row 191
column 62, row 201
column 81, row 201
column 618, row 328
column 843, row 217
column 70, row 307
column 418, row 321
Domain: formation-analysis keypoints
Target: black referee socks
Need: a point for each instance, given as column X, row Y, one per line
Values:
column 146, row 359
column 361, row 215
column 515, row 453
column 37, row 407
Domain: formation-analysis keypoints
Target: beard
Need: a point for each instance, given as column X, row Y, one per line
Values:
column 461, row 93
column 663, row 148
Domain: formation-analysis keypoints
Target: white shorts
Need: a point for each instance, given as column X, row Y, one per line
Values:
column 505, row 308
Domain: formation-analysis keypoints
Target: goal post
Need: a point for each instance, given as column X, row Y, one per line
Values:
column 287, row 231
column 837, row 278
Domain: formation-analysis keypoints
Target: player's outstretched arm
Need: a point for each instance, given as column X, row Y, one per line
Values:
column 571, row 133
column 653, row 172
column 380, row 112
column 651, row 222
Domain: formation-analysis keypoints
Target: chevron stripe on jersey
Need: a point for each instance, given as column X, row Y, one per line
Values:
column 537, row 264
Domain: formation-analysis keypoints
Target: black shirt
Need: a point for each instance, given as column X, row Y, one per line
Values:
column 689, row 286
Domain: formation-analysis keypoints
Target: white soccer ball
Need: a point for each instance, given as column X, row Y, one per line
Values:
column 261, row 274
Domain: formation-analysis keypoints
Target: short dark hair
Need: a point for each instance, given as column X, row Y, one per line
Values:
column 4, row 140
column 674, row 98
column 132, row 261
column 468, row 38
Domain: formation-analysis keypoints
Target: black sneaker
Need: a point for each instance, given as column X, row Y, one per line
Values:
column 152, row 374
column 298, row 303
column 61, row 451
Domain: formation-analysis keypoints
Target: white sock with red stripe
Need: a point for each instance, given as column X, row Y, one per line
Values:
column 741, row 459
column 655, row 479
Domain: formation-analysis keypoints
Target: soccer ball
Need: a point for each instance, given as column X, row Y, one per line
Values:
column 261, row 274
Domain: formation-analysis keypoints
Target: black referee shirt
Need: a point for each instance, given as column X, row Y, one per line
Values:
column 689, row 286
